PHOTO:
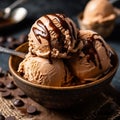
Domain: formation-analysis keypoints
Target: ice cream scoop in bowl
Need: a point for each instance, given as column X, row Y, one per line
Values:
column 99, row 17
column 63, row 65
column 60, row 97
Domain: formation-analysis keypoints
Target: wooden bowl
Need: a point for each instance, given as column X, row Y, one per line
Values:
column 59, row 97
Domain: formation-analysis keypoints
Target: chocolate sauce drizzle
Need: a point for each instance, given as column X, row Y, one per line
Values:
column 43, row 32
column 89, row 45
column 90, row 50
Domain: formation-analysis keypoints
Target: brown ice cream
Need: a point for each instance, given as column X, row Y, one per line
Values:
column 39, row 70
column 99, row 16
column 53, row 35
column 61, row 55
column 93, row 59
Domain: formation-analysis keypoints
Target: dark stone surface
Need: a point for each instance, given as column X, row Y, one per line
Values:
column 37, row 8
column 70, row 8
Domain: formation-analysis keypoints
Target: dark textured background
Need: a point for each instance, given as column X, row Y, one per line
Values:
column 37, row 8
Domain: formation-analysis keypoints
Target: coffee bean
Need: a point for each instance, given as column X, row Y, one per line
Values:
column 117, row 118
column 10, row 39
column 2, row 40
column 23, row 38
column 2, row 117
column 18, row 102
column 31, row 109
column 11, row 42
column 5, row 73
column 12, row 45
column 6, row 94
column 2, row 90
column 0, row 69
column 2, row 85
column 12, row 107
column 21, row 94
column 11, row 118
column 11, row 85
column 1, row 72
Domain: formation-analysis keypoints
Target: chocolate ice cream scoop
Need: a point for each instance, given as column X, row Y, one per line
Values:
column 94, row 59
column 40, row 71
column 99, row 16
column 59, row 54
column 53, row 35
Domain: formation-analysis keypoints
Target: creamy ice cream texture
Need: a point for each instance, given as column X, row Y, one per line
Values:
column 93, row 59
column 53, row 35
column 98, row 11
column 41, row 71
column 60, row 55
column 99, row 16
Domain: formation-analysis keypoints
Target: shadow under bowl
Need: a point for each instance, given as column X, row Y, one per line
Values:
column 59, row 97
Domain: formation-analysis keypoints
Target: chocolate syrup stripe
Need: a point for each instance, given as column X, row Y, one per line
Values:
column 66, row 25
column 72, row 31
column 89, row 48
column 57, row 31
column 77, row 43
column 44, row 33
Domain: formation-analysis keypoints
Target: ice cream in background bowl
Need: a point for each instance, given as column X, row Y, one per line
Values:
column 63, row 64
column 99, row 16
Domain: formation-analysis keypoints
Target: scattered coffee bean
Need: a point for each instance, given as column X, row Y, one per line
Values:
column 117, row 118
column 11, row 118
column 2, row 117
column 11, row 42
column 0, row 69
column 13, row 45
column 12, row 107
column 2, row 90
column 6, row 94
column 5, row 72
column 2, row 40
column 31, row 110
column 11, row 85
column 1, row 72
column 23, row 38
column 21, row 94
column 2, row 85
column 10, row 39
column 18, row 103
